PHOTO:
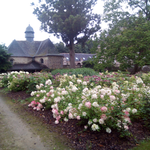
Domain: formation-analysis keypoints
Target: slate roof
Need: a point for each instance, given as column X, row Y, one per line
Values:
column 79, row 56
column 30, row 66
column 32, row 49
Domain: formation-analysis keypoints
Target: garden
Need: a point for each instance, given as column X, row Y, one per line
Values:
column 109, row 110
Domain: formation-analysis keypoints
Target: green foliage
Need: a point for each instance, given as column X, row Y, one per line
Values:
column 4, row 81
column 128, row 33
column 88, row 64
column 78, row 48
column 116, row 10
column 126, row 43
column 61, row 48
column 73, row 20
column 83, row 71
column 145, row 112
column 4, row 56
column 23, row 81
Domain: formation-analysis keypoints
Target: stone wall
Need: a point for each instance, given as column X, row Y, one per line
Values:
column 52, row 62
column 55, row 62
column 20, row 60
column 42, row 60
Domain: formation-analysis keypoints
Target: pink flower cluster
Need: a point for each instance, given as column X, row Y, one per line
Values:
column 56, row 115
column 36, row 105
column 88, row 104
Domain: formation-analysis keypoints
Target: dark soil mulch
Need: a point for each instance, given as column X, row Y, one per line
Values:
column 84, row 140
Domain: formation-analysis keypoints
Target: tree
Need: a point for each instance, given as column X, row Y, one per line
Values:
column 73, row 20
column 61, row 48
column 129, row 46
column 4, row 56
column 115, row 10
column 125, row 40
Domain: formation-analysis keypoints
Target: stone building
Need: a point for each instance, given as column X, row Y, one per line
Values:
column 33, row 55
column 79, row 58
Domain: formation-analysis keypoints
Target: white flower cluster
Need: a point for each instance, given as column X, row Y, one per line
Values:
column 139, row 80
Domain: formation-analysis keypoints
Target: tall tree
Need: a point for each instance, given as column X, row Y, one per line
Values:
column 115, row 10
column 61, row 48
column 127, row 38
column 129, row 46
column 73, row 20
column 4, row 56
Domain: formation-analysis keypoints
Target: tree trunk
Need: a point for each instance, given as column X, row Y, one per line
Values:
column 72, row 55
column 135, row 69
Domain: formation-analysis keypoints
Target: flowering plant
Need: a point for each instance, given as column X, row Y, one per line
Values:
column 108, row 101
column 104, row 107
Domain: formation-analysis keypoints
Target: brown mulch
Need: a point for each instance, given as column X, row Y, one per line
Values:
column 85, row 140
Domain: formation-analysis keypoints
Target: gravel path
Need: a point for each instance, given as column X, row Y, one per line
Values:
column 16, row 134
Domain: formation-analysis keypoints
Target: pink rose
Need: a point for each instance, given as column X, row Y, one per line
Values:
column 62, row 112
column 58, row 117
column 116, row 91
column 37, row 95
column 33, row 103
column 112, row 97
column 102, row 96
column 78, row 117
column 38, row 108
column 40, row 105
column 55, row 111
column 88, row 104
column 103, row 116
column 70, row 116
column 104, row 109
column 126, row 114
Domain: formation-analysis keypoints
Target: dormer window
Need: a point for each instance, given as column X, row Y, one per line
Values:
column 77, row 58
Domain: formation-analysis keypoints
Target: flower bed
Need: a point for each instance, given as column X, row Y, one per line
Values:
column 108, row 101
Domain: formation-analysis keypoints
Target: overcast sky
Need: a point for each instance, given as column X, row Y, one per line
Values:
column 16, row 15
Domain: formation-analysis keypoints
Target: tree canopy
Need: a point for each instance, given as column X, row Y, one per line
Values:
column 115, row 10
column 127, row 39
column 4, row 56
column 72, row 20
column 78, row 48
column 130, row 47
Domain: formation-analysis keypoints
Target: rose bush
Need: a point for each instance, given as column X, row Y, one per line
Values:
column 102, row 106
column 108, row 101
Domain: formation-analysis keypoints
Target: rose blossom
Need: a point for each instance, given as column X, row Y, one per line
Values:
column 61, row 112
column 88, row 104
column 103, row 116
column 108, row 130
column 78, row 117
column 112, row 97
column 101, row 121
column 104, row 109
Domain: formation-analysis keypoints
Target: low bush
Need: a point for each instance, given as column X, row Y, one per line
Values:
column 83, row 71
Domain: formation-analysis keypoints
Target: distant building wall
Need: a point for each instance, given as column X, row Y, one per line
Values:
column 52, row 62
column 55, row 62
column 42, row 60
column 20, row 60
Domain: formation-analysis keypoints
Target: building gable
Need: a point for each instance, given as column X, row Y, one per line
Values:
column 15, row 50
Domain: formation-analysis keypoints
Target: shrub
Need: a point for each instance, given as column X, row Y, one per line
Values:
column 83, row 71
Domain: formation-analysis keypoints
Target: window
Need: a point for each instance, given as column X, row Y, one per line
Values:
column 42, row 61
column 12, row 61
column 77, row 58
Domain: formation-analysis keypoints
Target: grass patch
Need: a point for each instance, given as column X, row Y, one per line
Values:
column 143, row 145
